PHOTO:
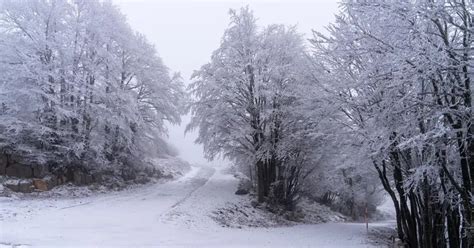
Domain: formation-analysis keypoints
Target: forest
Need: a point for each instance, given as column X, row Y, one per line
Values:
column 378, row 105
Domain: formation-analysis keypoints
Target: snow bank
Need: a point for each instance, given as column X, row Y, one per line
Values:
column 170, row 166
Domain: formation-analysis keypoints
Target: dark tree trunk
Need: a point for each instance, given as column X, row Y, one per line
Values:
column 260, row 182
column 382, row 172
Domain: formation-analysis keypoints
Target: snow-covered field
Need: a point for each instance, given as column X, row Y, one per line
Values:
column 171, row 214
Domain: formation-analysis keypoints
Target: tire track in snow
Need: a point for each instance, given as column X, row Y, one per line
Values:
column 198, row 181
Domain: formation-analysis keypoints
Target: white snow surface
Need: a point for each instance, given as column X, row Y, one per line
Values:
column 170, row 214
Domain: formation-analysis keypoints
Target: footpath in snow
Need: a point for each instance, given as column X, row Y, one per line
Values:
column 172, row 214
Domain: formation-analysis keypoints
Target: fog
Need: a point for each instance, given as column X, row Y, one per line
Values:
column 185, row 33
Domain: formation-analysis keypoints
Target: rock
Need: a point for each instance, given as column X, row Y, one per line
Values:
column 61, row 179
column 47, row 183
column 25, row 171
column 11, row 171
column 19, row 170
column 241, row 192
column 254, row 203
column 3, row 164
column 40, row 184
column 78, row 177
column 40, row 171
column 88, row 179
column 14, row 159
column 25, row 186
column 12, row 184
column 82, row 178
column 51, row 181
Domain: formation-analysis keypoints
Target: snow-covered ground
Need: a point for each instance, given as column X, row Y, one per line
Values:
column 171, row 214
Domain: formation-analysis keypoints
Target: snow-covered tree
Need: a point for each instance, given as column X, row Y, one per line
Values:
column 79, row 87
column 400, row 73
column 244, row 102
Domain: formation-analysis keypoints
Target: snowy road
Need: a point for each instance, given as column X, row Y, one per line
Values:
column 172, row 214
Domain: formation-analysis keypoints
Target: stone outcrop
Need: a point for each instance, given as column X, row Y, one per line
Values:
column 21, row 185
column 40, row 184
column 3, row 165
column 82, row 178
column 40, row 171
column 46, row 183
column 25, row 177
column 19, row 170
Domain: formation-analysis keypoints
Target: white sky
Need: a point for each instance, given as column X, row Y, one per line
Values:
column 186, row 32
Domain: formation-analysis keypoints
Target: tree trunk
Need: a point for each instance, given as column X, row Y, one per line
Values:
column 260, row 182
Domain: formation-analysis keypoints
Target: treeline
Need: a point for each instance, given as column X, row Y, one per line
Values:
column 80, row 88
column 386, row 91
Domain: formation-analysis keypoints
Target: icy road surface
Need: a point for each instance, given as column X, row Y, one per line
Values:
column 171, row 214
